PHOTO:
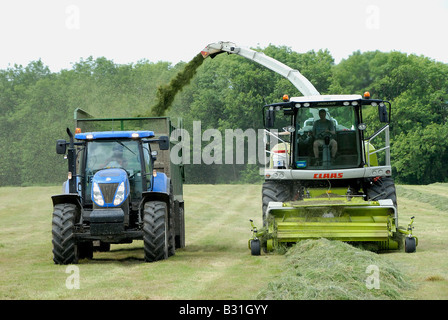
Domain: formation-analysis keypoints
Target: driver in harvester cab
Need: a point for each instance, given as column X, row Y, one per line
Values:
column 323, row 128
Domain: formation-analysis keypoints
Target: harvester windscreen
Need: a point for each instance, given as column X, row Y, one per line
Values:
column 327, row 138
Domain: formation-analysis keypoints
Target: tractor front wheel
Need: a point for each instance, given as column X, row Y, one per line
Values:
column 65, row 249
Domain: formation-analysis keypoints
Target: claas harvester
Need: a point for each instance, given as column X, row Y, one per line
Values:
column 328, row 173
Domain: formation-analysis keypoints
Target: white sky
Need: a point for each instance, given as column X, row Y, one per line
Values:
column 60, row 32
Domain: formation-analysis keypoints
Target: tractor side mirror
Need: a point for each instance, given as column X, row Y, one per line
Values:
column 61, row 146
column 382, row 113
column 164, row 143
column 270, row 118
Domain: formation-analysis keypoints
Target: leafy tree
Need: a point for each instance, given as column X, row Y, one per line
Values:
column 227, row 92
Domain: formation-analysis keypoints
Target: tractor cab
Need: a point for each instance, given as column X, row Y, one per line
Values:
column 115, row 162
column 114, row 171
column 108, row 157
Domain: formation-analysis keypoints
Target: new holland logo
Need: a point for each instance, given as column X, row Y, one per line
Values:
column 328, row 175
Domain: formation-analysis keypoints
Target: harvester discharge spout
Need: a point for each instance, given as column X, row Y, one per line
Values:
column 294, row 76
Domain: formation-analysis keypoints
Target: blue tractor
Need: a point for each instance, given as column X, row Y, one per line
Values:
column 115, row 194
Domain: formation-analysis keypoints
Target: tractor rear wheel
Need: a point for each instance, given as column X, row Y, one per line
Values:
column 155, row 231
column 64, row 245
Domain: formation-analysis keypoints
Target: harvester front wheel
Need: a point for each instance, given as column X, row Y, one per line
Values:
column 155, row 231
column 383, row 188
column 274, row 191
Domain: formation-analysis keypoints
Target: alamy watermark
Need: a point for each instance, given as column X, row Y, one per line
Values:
column 72, row 281
column 372, row 21
column 373, row 280
column 72, row 20
column 212, row 146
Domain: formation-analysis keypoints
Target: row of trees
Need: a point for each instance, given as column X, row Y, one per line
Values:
column 36, row 105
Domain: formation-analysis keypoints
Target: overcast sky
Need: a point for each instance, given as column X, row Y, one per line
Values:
column 61, row 32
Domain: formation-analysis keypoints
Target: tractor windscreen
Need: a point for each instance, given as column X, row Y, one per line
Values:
column 327, row 138
column 124, row 154
column 113, row 154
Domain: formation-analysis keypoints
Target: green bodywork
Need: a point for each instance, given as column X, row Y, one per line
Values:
column 333, row 216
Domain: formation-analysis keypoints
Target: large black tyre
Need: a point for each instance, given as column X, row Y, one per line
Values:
column 65, row 250
column 155, row 231
column 274, row 191
column 382, row 188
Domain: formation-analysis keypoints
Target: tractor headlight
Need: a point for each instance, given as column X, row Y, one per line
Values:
column 97, row 196
column 119, row 196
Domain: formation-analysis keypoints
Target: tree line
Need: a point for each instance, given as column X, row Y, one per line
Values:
column 227, row 92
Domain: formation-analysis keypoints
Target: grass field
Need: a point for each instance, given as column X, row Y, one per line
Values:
column 215, row 264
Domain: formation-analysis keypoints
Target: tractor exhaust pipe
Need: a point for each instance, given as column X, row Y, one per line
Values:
column 71, row 156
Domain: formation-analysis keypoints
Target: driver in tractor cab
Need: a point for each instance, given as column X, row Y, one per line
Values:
column 117, row 159
column 323, row 128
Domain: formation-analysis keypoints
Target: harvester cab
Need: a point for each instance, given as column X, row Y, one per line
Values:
column 115, row 194
column 329, row 173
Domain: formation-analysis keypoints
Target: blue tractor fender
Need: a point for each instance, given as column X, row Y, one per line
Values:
column 66, row 196
column 160, row 190
column 161, row 183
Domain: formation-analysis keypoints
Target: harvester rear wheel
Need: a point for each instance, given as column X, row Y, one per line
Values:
column 274, row 191
column 410, row 244
column 255, row 247
column 155, row 231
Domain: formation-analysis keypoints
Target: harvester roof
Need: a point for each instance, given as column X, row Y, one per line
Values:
column 325, row 98
column 328, row 100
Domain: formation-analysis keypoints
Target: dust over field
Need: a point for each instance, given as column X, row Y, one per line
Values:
column 216, row 263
